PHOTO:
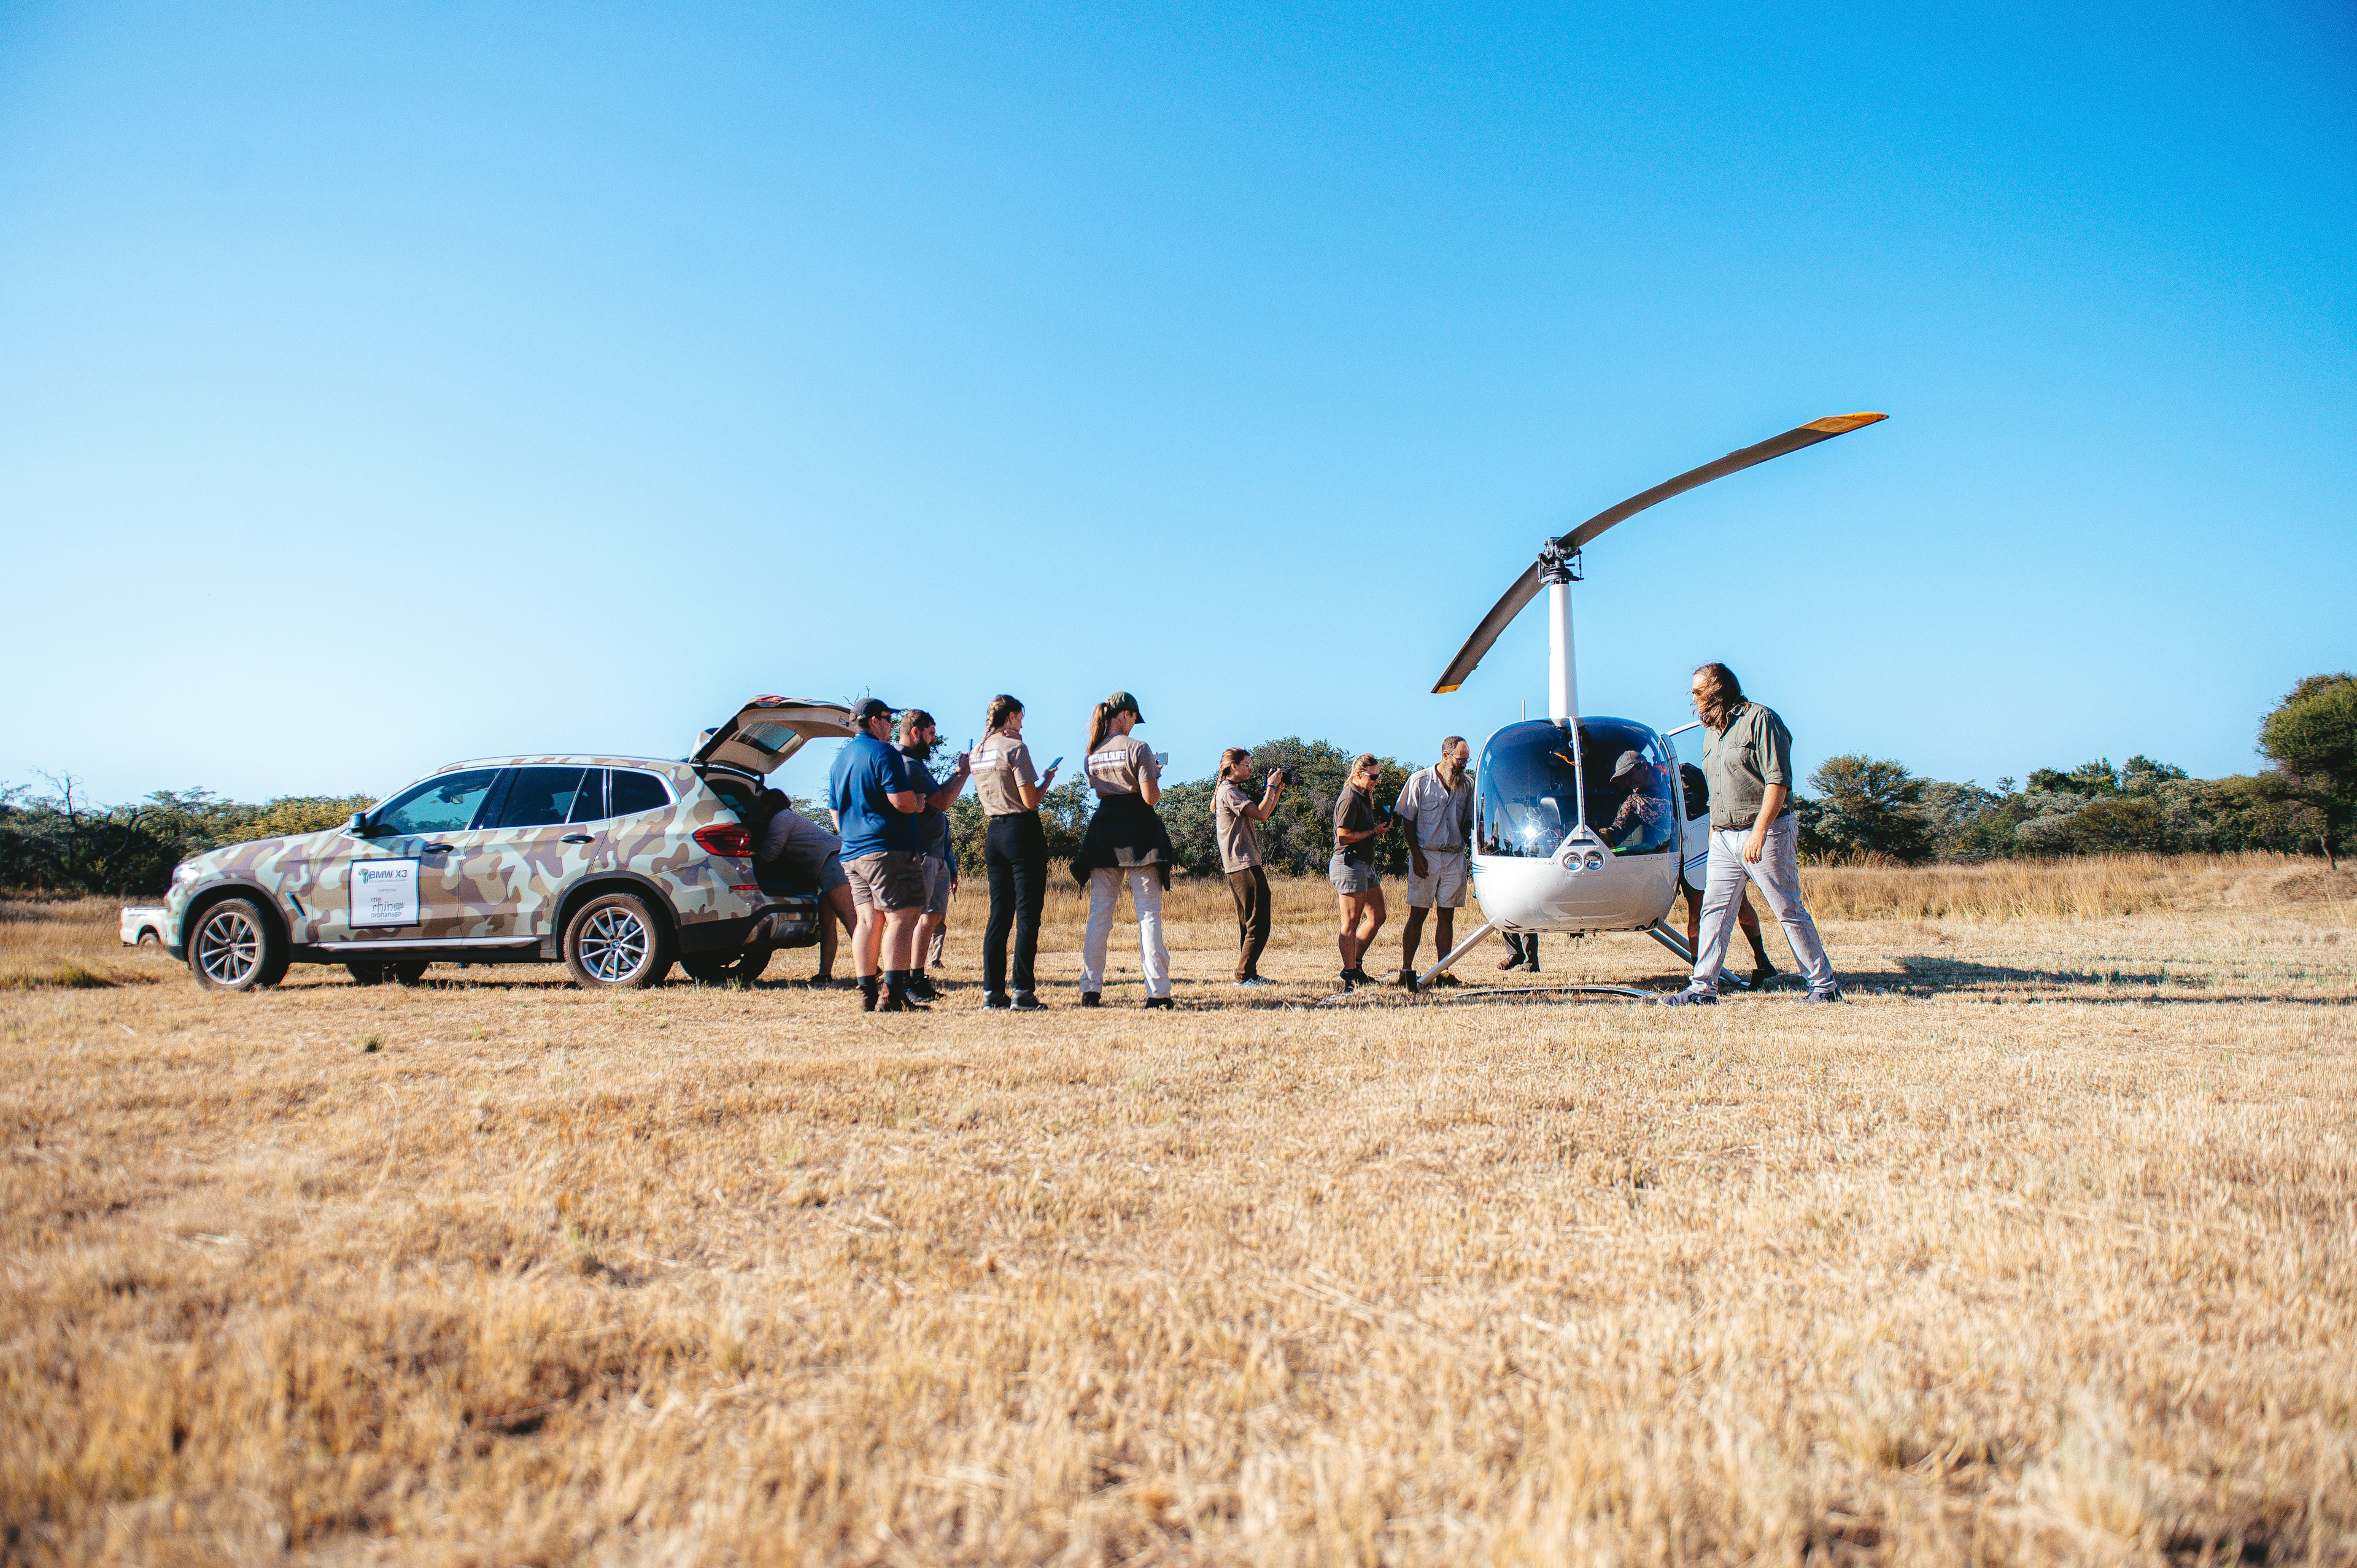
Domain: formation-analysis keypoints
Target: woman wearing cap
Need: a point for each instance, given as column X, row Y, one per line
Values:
column 1357, row 825
column 1125, row 842
column 1015, row 849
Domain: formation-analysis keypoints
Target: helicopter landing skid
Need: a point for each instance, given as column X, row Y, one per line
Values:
column 1659, row 930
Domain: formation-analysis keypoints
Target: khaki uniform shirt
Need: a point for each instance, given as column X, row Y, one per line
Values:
column 1121, row 764
column 1238, row 834
column 1000, row 763
column 1740, row 761
column 1443, row 817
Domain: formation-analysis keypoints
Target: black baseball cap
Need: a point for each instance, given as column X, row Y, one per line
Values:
column 871, row 708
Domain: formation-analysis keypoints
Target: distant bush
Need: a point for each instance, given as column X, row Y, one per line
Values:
column 59, row 842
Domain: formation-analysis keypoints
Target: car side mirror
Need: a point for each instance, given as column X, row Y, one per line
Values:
column 358, row 826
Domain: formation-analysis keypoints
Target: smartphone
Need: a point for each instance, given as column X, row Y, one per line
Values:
column 1053, row 765
column 1161, row 759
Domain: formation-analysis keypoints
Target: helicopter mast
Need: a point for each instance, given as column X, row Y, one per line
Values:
column 1557, row 572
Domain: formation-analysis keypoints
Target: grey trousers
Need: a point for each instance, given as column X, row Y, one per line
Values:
column 1777, row 876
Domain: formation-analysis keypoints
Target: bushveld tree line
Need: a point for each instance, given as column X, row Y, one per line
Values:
column 1859, row 807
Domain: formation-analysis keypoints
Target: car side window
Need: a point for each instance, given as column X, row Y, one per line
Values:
column 537, row 797
column 590, row 805
column 442, row 804
column 634, row 791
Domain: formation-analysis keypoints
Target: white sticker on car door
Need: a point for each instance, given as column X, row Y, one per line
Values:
column 385, row 893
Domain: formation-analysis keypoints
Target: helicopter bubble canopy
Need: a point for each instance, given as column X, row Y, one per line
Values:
column 1532, row 792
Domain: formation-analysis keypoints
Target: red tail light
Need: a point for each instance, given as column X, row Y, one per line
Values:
column 730, row 838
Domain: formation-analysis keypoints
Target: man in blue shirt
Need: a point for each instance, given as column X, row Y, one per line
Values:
column 875, row 806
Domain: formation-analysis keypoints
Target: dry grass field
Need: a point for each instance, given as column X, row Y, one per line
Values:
column 2041, row 1249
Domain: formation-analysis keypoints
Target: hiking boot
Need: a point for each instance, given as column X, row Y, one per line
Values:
column 1692, row 996
column 1091, row 999
column 1763, row 974
column 920, row 988
column 1024, row 1001
column 1443, row 978
column 997, row 999
column 1406, row 981
column 1347, row 980
column 1154, row 1002
column 1254, row 980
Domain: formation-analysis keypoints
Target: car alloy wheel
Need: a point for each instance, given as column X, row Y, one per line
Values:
column 614, row 941
column 235, row 949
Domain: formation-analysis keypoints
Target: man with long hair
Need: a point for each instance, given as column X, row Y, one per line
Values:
column 1747, row 759
column 1436, row 816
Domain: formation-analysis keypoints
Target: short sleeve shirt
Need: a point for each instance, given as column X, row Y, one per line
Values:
column 1238, row 834
column 799, row 843
column 933, row 825
column 865, row 771
column 1001, row 763
column 1754, row 751
column 1353, row 813
column 1122, row 764
column 1442, row 816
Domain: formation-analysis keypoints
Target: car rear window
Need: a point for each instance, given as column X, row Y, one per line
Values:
column 590, row 805
column 634, row 791
column 442, row 804
column 538, row 797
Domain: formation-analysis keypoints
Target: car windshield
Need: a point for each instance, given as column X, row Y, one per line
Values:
column 1528, row 801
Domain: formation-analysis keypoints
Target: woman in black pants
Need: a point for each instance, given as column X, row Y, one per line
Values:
column 1015, row 851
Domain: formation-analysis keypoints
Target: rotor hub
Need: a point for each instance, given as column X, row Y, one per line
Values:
column 1558, row 564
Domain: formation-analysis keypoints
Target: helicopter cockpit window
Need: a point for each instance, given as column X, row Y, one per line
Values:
column 1629, row 798
column 1529, row 795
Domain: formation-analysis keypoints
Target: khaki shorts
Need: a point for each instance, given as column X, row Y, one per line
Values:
column 936, row 884
column 890, row 879
column 1444, row 888
column 1353, row 876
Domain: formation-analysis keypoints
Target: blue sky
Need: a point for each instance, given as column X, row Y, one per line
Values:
column 381, row 386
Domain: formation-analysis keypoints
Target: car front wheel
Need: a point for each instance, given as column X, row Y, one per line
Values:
column 613, row 941
column 236, row 948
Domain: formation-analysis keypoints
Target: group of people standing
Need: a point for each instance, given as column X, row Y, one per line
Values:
column 888, row 879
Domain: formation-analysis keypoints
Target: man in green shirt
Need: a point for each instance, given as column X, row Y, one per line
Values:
column 1747, row 760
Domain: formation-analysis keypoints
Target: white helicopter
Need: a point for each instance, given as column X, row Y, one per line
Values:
column 1580, row 824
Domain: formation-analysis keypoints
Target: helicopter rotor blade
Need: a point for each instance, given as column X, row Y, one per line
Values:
column 1793, row 440
column 1525, row 589
column 1526, row 586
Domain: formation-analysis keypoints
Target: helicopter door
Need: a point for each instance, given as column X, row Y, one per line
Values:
column 1691, row 794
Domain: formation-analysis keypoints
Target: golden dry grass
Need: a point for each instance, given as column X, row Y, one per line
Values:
column 2040, row 1250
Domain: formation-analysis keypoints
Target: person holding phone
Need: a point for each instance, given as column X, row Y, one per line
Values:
column 919, row 738
column 1234, row 818
column 1125, row 842
column 1014, row 850
column 1358, row 823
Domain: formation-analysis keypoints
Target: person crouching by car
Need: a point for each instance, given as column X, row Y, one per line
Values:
column 1233, row 819
column 1014, row 851
column 919, row 738
column 1358, row 823
column 1436, row 813
column 786, row 838
column 1125, row 842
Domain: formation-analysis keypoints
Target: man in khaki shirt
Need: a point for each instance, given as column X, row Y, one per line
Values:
column 1233, row 819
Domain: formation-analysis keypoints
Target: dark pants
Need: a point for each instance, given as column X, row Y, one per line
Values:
column 1015, row 853
column 1525, row 948
column 1250, row 888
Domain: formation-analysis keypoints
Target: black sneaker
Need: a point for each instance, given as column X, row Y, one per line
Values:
column 995, row 999
column 920, row 988
column 1763, row 974
column 1024, row 1001
column 1407, row 981
column 1091, row 999
column 1154, row 1002
column 1349, row 980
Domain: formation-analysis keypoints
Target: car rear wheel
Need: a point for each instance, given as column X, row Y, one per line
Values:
column 613, row 941
column 742, row 967
column 403, row 973
column 236, row 948
column 148, row 938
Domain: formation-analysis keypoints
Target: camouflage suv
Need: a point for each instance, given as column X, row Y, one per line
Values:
column 617, row 865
